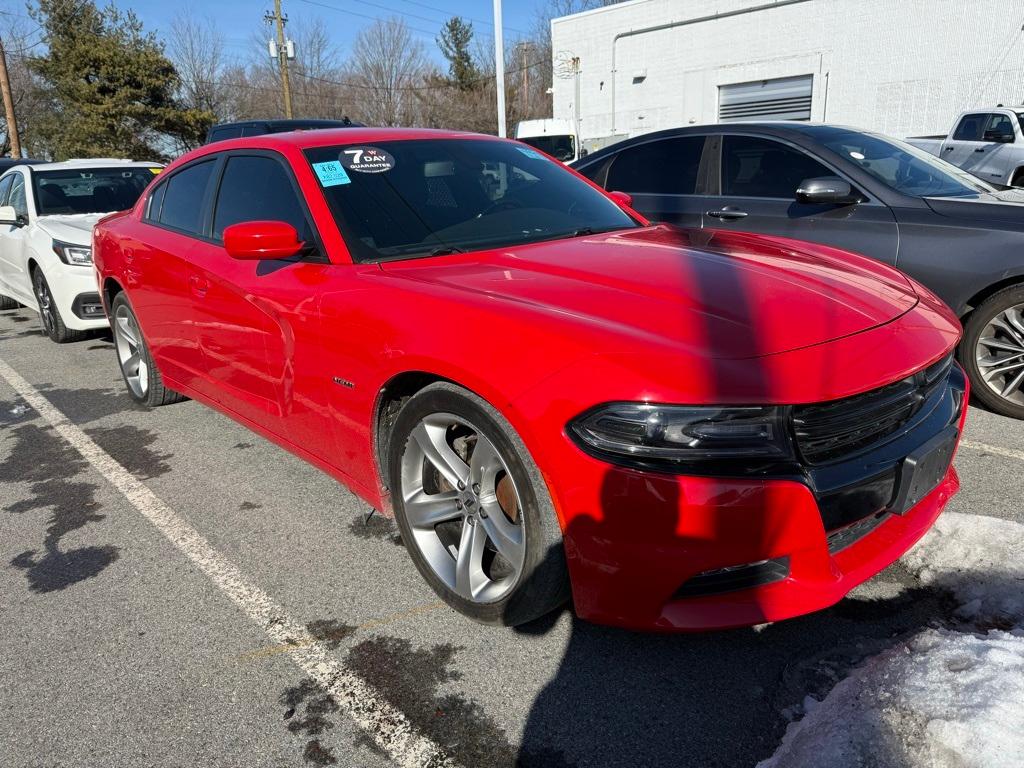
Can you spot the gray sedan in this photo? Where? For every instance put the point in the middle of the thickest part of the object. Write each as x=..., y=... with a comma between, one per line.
x=860, y=191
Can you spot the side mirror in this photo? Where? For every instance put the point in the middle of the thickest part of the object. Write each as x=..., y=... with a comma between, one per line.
x=827, y=190
x=258, y=240
x=622, y=198
x=998, y=137
x=10, y=216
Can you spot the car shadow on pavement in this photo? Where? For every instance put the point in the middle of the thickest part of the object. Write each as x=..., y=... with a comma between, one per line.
x=706, y=699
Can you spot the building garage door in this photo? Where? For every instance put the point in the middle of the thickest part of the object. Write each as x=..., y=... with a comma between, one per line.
x=785, y=98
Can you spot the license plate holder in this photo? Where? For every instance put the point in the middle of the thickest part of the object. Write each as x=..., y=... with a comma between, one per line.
x=923, y=469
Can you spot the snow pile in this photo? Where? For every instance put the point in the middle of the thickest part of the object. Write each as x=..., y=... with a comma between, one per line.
x=943, y=699
x=980, y=560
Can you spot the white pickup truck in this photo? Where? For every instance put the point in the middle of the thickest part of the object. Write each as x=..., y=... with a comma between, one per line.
x=987, y=143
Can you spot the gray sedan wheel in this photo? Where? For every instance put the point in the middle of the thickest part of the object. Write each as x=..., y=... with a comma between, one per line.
x=992, y=352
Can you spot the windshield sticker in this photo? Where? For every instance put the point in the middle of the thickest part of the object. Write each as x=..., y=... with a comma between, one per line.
x=155, y=171
x=367, y=160
x=331, y=174
x=533, y=155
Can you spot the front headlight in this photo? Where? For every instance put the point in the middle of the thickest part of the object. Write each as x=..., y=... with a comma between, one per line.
x=682, y=434
x=73, y=254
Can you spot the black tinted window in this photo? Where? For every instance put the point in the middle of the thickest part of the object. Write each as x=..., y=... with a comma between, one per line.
x=255, y=188
x=227, y=132
x=970, y=128
x=183, y=200
x=667, y=167
x=753, y=167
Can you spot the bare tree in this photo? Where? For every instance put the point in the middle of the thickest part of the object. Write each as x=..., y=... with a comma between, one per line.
x=31, y=105
x=388, y=66
x=196, y=47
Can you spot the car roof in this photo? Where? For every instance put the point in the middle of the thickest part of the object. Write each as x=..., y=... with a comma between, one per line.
x=328, y=136
x=95, y=162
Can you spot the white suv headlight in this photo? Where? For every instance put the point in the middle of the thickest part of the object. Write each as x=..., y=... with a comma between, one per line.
x=73, y=254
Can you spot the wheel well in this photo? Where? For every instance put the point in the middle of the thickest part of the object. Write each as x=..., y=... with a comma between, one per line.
x=1017, y=174
x=986, y=292
x=392, y=396
x=110, y=289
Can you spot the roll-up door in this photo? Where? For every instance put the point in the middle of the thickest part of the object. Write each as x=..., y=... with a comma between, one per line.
x=785, y=98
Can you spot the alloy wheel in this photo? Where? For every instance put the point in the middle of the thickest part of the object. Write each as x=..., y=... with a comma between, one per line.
x=1000, y=354
x=128, y=341
x=463, y=508
x=45, y=301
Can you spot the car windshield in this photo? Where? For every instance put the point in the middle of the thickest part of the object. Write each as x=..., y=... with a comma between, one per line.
x=906, y=169
x=398, y=199
x=559, y=146
x=89, y=190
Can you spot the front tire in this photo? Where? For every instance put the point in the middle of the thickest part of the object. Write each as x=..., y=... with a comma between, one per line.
x=6, y=302
x=49, y=315
x=141, y=375
x=992, y=352
x=473, y=509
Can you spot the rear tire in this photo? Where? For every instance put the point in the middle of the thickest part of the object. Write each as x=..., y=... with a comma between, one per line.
x=501, y=517
x=988, y=352
x=141, y=376
x=49, y=315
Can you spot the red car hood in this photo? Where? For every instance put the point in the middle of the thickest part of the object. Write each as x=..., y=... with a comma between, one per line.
x=726, y=295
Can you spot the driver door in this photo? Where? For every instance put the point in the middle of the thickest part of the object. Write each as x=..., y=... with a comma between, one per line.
x=758, y=181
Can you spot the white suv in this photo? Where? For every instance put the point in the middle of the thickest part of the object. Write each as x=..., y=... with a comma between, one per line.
x=46, y=217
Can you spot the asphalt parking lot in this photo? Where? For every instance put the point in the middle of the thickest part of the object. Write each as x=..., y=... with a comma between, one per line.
x=189, y=594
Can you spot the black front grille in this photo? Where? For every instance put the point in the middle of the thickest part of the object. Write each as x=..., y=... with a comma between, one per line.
x=833, y=430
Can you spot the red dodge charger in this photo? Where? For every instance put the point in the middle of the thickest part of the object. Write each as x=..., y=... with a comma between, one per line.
x=680, y=429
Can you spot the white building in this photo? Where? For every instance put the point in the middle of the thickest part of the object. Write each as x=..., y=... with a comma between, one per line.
x=903, y=67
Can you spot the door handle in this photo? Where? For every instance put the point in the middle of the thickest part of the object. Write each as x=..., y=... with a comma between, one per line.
x=198, y=285
x=728, y=214
x=980, y=149
x=948, y=149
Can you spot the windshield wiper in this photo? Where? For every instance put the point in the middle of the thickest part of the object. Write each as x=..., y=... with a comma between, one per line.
x=583, y=231
x=445, y=251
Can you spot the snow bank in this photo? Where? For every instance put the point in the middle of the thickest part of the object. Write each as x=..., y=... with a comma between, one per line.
x=980, y=560
x=945, y=698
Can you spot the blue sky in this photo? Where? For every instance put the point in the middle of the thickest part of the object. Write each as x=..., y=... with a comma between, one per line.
x=238, y=20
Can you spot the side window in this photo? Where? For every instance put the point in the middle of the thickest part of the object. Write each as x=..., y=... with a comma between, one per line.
x=5, y=187
x=17, y=197
x=183, y=199
x=970, y=128
x=155, y=203
x=254, y=188
x=663, y=167
x=226, y=132
x=998, y=125
x=755, y=167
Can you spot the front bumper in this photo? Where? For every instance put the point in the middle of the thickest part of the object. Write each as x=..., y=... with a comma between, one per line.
x=74, y=289
x=661, y=540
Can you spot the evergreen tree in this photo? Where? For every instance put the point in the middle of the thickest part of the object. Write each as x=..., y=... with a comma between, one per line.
x=110, y=87
x=456, y=37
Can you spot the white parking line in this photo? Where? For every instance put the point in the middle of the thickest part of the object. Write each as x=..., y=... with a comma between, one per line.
x=387, y=726
x=1010, y=453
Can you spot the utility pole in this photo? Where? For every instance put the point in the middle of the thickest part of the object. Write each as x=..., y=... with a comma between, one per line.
x=524, y=51
x=282, y=51
x=5, y=87
x=499, y=68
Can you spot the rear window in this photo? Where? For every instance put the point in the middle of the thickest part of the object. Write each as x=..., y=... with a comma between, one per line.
x=663, y=167
x=970, y=128
x=89, y=190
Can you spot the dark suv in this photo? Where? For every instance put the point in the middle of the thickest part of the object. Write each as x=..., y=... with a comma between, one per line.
x=855, y=190
x=223, y=131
